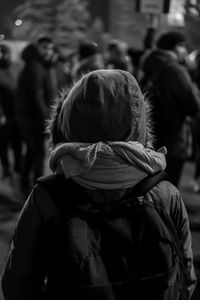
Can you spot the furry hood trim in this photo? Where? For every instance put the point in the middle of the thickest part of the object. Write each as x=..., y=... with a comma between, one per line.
x=104, y=105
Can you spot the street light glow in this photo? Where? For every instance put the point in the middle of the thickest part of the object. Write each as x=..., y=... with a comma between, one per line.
x=18, y=22
x=176, y=13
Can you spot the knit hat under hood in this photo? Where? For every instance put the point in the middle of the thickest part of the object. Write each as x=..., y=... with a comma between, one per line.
x=169, y=40
x=104, y=105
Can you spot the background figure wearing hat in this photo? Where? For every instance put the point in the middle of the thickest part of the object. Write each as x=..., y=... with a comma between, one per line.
x=164, y=69
x=89, y=59
x=100, y=140
x=38, y=83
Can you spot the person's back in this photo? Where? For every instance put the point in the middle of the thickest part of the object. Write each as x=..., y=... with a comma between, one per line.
x=79, y=234
x=177, y=96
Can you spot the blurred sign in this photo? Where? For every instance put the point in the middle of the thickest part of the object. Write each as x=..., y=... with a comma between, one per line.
x=153, y=6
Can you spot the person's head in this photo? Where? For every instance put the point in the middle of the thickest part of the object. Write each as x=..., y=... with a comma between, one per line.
x=5, y=56
x=117, y=49
x=87, y=49
x=45, y=48
x=173, y=41
x=104, y=105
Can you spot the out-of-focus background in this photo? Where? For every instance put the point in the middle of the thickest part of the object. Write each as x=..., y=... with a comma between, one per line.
x=71, y=21
x=77, y=30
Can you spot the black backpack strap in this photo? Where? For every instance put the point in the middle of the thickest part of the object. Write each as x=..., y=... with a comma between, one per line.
x=145, y=185
x=51, y=179
x=58, y=187
x=138, y=191
x=55, y=184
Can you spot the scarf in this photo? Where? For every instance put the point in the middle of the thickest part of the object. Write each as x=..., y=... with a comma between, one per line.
x=111, y=165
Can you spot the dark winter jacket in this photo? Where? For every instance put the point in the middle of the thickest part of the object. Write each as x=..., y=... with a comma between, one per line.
x=7, y=94
x=109, y=104
x=38, y=84
x=179, y=95
x=39, y=249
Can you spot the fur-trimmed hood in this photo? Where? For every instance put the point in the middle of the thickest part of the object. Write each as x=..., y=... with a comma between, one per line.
x=104, y=105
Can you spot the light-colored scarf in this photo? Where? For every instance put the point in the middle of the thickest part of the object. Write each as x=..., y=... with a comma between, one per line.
x=111, y=165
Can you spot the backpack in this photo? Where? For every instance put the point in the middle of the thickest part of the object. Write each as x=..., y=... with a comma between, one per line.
x=125, y=250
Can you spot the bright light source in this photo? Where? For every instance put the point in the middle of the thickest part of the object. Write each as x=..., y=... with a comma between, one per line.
x=18, y=22
x=176, y=13
x=2, y=37
x=178, y=16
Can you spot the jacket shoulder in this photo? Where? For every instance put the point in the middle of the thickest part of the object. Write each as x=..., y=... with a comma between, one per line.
x=55, y=195
x=166, y=195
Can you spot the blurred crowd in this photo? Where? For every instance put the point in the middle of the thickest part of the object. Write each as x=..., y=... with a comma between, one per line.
x=45, y=71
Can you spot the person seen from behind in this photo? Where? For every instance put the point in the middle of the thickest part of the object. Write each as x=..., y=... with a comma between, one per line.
x=178, y=98
x=38, y=84
x=101, y=148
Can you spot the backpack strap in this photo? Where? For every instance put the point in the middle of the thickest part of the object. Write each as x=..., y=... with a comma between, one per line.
x=145, y=185
x=58, y=187
x=55, y=184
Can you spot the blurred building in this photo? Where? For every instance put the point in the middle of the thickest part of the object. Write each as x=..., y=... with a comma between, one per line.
x=123, y=19
x=118, y=19
x=110, y=19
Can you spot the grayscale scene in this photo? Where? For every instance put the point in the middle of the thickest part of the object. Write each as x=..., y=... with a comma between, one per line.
x=100, y=150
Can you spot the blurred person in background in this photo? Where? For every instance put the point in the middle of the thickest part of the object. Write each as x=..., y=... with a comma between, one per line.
x=135, y=57
x=118, y=57
x=88, y=59
x=38, y=84
x=195, y=183
x=9, y=130
x=164, y=69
